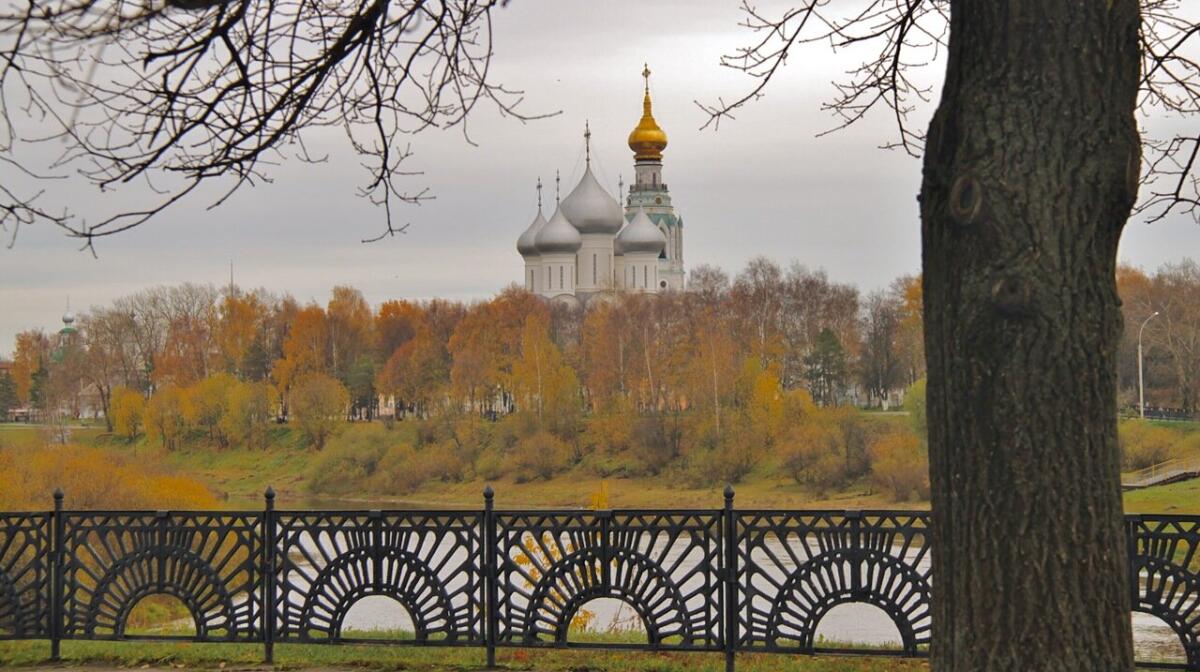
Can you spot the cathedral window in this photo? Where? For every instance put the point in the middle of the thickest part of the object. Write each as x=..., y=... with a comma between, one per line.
x=593, y=269
x=560, y=277
x=645, y=276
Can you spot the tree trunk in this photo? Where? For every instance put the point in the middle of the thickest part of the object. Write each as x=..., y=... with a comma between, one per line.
x=1030, y=173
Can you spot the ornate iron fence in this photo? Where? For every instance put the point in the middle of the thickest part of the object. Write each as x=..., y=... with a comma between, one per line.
x=720, y=580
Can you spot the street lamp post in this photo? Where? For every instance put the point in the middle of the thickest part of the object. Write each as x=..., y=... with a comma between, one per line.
x=1141, y=383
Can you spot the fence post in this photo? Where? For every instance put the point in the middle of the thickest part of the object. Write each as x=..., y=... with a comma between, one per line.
x=730, y=575
x=268, y=576
x=1131, y=551
x=56, y=577
x=489, y=573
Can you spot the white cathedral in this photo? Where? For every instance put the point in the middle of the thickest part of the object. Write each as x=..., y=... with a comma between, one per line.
x=591, y=245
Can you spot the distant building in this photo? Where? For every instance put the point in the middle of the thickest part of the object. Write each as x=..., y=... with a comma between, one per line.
x=591, y=245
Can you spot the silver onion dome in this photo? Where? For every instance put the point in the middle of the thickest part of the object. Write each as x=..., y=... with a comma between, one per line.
x=558, y=235
x=592, y=209
x=527, y=242
x=618, y=249
x=641, y=235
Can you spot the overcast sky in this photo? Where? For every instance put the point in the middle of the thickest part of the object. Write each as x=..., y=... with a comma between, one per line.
x=762, y=185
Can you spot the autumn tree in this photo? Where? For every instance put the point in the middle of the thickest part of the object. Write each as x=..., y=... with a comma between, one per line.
x=360, y=383
x=127, y=412
x=910, y=331
x=417, y=372
x=305, y=349
x=166, y=415
x=31, y=354
x=238, y=332
x=545, y=385
x=879, y=358
x=8, y=394
x=247, y=413
x=607, y=355
x=350, y=323
x=1177, y=328
x=105, y=364
x=486, y=343
x=186, y=353
x=396, y=323
x=825, y=368
x=319, y=404
x=208, y=403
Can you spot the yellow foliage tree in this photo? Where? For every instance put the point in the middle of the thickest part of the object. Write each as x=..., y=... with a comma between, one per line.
x=128, y=409
x=546, y=385
x=247, y=414
x=166, y=415
x=319, y=404
x=208, y=402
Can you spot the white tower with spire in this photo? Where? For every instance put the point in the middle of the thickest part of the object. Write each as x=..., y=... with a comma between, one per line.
x=649, y=191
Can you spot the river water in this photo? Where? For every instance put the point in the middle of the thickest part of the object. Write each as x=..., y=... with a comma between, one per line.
x=855, y=623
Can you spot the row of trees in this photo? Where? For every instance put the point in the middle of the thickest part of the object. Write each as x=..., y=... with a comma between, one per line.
x=1171, y=339
x=666, y=352
x=698, y=350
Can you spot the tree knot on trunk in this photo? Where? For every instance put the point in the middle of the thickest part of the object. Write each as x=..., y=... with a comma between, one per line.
x=966, y=200
x=1012, y=295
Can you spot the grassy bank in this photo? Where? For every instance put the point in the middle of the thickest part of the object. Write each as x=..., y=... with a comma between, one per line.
x=239, y=476
x=376, y=657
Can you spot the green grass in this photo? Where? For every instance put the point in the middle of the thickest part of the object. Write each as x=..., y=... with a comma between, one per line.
x=1176, y=498
x=383, y=657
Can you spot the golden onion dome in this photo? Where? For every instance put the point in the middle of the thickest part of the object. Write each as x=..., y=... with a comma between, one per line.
x=647, y=140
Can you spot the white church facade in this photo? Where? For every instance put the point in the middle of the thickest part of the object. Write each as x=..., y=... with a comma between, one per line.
x=592, y=245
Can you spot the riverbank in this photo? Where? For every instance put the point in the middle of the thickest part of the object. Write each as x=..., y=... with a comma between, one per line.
x=238, y=477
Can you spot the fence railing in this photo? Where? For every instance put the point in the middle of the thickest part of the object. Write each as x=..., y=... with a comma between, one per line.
x=720, y=580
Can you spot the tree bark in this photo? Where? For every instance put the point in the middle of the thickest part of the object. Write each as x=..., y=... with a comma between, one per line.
x=1030, y=174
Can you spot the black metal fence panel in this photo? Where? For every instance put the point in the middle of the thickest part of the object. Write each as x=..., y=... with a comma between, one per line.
x=24, y=575
x=697, y=580
x=429, y=562
x=209, y=561
x=795, y=567
x=1165, y=575
x=663, y=564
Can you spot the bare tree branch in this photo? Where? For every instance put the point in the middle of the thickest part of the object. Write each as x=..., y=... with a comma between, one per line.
x=182, y=94
x=906, y=35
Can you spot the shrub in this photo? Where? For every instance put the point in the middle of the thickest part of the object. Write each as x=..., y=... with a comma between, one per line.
x=404, y=469
x=899, y=467
x=811, y=457
x=92, y=478
x=1144, y=444
x=540, y=456
x=349, y=461
x=828, y=450
x=657, y=440
x=490, y=465
x=398, y=471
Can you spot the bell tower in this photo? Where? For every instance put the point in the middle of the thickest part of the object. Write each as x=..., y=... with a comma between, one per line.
x=649, y=191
